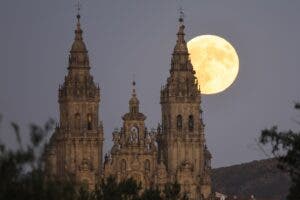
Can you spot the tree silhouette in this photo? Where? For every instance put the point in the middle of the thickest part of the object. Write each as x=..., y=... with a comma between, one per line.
x=23, y=176
x=172, y=191
x=151, y=194
x=21, y=171
x=286, y=147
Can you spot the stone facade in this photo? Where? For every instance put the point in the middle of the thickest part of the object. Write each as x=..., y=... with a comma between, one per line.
x=134, y=153
x=175, y=151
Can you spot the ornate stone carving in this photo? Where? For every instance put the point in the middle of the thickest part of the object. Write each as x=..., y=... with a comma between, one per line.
x=175, y=151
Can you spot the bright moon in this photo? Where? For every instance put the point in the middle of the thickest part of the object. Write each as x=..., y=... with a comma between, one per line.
x=215, y=61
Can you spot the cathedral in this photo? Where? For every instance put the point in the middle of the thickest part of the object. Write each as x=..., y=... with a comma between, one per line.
x=175, y=151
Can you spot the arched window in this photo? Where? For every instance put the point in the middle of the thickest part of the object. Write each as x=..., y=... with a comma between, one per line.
x=123, y=166
x=147, y=165
x=89, y=122
x=179, y=122
x=191, y=123
x=77, y=121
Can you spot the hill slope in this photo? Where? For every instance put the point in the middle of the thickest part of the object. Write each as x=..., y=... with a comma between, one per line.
x=261, y=178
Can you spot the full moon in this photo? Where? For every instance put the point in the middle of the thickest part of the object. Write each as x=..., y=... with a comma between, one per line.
x=215, y=61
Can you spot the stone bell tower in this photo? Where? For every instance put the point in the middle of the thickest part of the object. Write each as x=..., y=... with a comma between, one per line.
x=75, y=149
x=183, y=144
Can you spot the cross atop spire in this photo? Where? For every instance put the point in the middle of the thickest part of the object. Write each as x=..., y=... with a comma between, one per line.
x=180, y=46
x=181, y=15
x=78, y=53
x=78, y=8
x=134, y=113
x=134, y=102
x=180, y=59
x=133, y=85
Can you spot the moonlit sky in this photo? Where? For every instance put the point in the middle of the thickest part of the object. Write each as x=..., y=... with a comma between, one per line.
x=126, y=37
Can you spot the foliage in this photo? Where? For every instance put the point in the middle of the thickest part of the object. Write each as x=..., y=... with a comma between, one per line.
x=21, y=171
x=109, y=189
x=286, y=147
x=129, y=189
x=22, y=176
x=151, y=194
x=172, y=191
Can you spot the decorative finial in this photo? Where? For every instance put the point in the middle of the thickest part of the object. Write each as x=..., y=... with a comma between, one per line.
x=133, y=80
x=133, y=85
x=181, y=15
x=78, y=7
x=133, y=102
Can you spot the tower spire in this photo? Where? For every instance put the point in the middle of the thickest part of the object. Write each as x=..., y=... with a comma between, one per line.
x=133, y=102
x=78, y=53
x=134, y=106
x=180, y=59
x=181, y=46
x=78, y=31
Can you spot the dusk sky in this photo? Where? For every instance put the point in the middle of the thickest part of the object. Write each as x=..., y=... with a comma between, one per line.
x=126, y=37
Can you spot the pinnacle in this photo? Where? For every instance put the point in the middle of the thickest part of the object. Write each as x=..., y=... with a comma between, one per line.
x=78, y=52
